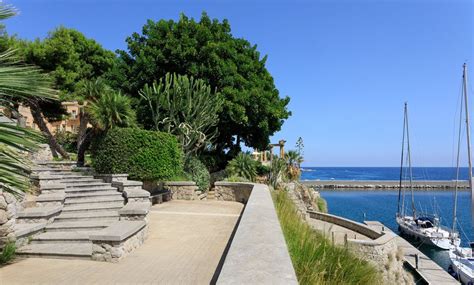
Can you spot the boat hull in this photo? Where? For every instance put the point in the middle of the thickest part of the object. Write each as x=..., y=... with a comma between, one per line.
x=460, y=270
x=440, y=243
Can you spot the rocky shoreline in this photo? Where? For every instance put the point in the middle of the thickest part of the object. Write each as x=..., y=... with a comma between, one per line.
x=383, y=185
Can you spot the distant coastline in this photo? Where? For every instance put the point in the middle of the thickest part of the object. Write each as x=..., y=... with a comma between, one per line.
x=382, y=184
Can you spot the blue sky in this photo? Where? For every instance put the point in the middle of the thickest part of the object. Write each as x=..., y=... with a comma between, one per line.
x=348, y=66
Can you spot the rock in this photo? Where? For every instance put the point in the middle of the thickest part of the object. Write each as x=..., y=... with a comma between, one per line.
x=3, y=217
x=3, y=203
x=116, y=252
x=97, y=249
x=9, y=198
x=11, y=211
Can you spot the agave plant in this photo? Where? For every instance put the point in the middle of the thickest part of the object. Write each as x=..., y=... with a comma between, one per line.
x=17, y=82
x=242, y=166
x=277, y=171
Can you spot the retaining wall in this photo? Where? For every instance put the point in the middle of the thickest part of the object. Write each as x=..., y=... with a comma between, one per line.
x=258, y=253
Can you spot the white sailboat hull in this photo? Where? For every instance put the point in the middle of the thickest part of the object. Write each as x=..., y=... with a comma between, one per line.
x=462, y=264
x=434, y=236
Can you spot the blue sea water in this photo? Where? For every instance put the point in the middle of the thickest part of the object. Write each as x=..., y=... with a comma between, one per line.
x=380, y=173
x=382, y=206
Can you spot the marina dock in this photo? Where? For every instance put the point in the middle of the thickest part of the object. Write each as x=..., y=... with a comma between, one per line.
x=427, y=269
x=382, y=184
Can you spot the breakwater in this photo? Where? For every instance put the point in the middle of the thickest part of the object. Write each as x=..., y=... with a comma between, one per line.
x=383, y=184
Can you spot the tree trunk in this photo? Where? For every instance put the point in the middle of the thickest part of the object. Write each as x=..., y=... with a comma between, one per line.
x=82, y=137
x=81, y=150
x=39, y=121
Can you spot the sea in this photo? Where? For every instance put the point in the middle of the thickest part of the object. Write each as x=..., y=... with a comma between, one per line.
x=380, y=173
x=382, y=205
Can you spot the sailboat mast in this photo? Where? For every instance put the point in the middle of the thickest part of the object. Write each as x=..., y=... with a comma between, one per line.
x=400, y=211
x=410, y=172
x=468, y=135
x=456, y=183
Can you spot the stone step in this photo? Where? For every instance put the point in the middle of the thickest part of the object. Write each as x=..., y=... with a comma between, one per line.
x=86, y=195
x=104, y=215
x=63, y=237
x=72, y=181
x=76, y=176
x=91, y=207
x=98, y=184
x=77, y=225
x=94, y=200
x=89, y=190
x=57, y=250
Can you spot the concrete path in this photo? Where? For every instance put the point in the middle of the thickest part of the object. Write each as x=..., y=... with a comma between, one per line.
x=184, y=246
x=331, y=230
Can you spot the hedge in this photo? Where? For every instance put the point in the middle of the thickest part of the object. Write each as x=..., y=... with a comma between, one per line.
x=144, y=155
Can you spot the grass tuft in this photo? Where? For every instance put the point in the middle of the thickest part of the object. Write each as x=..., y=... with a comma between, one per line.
x=315, y=259
x=8, y=253
x=322, y=205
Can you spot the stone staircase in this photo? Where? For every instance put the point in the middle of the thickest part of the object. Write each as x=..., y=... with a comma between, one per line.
x=87, y=206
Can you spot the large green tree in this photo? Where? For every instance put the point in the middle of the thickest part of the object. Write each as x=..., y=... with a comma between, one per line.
x=206, y=49
x=71, y=59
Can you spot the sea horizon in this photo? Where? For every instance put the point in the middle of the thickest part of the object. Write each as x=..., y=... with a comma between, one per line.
x=382, y=173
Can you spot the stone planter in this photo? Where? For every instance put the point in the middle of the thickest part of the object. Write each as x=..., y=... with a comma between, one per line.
x=233, y=191
x=182, y=190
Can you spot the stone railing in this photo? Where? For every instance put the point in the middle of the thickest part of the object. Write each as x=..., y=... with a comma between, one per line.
x=257, y=253
x=346, y=223
x=184, y=190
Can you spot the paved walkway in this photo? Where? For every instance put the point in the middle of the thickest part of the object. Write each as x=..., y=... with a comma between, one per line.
x=331, y=230
x=185, y=243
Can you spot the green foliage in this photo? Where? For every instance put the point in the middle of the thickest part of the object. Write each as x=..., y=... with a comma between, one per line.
x=111, y=109
x=8, y=253
x=67, y=140
x=236, y=179
x=206, y=49
x=315, y=259
x=144, y=155
x=18, y=82
x=242, y=166
x=293, y=160
x=68, y=56
x=262, y=170
x=322, y=205
x=198, y=172
x=277, y=172
x=185, y=107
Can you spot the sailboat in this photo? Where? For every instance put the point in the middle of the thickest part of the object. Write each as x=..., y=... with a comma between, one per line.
x=425, y=228
x=462, y=259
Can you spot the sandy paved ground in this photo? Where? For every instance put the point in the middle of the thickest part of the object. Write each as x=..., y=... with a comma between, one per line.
x=184, y=246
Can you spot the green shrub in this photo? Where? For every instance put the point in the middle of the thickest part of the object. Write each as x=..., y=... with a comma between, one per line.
x=315, y=259
x=8, y=253
x=262, y=170
x=144, y=155
x=322, y=205
x=198, y=172
x=242, y=166
x=67, y=139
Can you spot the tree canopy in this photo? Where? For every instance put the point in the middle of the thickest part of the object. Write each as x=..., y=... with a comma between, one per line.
x=68, y=57
x=205, y=49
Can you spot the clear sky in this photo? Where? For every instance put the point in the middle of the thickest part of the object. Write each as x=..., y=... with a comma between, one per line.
x=348, y=66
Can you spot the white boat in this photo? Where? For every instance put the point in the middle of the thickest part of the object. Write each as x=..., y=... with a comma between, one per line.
x=428, y=231
x=424, y=228
x=462, y=260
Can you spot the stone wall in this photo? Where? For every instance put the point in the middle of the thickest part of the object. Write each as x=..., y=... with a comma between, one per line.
x=114, y=251
x=182, y=190
x=9, y=206
x=233, y=191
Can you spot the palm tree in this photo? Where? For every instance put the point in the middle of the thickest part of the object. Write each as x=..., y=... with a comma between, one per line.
x=111, y=109
x=293, y=161
x=88, y=92
x=243, y=166
x=17, y=82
